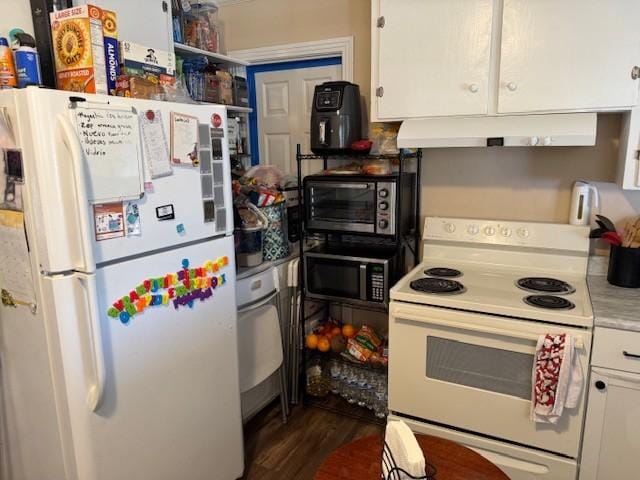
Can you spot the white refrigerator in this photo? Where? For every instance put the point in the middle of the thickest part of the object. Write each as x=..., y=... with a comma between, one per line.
x=123, y=364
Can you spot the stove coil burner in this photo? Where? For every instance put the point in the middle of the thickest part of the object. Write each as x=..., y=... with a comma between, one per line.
x=545, y=285
x=437, y=285
x=443, y=272
x=550, y=302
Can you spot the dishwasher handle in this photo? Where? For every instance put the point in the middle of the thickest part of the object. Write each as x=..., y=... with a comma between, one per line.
x=258, y=303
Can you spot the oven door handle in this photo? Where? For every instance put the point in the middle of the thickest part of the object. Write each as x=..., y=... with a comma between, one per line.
x=401, y=314
x=354, y=186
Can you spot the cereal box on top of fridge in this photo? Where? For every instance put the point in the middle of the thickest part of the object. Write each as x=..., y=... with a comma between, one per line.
x=111, y=51
x=78, y=48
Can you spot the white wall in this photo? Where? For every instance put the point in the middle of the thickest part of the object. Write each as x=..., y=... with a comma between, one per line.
x=15, y=13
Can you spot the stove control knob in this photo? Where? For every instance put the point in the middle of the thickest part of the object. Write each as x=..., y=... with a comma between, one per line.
x=383, y=205
x=505, y=232
x=489, y=231
x=523, y=232
x=533, y=141
x=547, y=141
x=449, y=227
x=383, y=193
x=383, y=224
x=473, y=229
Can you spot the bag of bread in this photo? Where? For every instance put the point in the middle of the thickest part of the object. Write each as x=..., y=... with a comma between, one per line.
x=368, y=338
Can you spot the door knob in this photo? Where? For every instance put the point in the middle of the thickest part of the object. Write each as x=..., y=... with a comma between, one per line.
x=473, y=88
x=512, y=86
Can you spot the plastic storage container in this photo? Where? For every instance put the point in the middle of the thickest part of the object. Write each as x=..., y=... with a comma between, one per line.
x=249, y=241
x=200, y=27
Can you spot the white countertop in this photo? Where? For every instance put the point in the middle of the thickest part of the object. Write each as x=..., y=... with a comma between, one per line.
x=613, y=307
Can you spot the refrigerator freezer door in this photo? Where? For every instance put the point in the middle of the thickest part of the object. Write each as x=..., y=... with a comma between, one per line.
x=171, y=404
x=191, y=204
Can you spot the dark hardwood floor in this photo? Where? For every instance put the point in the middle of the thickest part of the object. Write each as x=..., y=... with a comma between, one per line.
x=294, y=451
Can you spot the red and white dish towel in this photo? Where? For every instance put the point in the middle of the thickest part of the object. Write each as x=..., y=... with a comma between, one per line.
x=557, y=378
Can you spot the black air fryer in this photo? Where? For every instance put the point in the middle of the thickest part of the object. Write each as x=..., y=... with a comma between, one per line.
x=336, y=118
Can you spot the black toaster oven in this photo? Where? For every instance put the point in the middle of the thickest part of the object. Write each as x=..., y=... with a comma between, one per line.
x=380, y=205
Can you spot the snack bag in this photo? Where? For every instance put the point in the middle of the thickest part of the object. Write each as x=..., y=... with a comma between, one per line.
x=357, y=351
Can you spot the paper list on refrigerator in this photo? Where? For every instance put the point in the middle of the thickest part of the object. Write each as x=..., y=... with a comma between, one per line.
x=156, y=149
x=15, y=269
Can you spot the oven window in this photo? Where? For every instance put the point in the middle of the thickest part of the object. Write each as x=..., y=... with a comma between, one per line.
x=477, y=366
x=342, y=204
x=337, y=278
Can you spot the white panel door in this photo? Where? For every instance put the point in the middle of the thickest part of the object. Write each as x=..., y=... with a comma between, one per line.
x=432, y=57
x=569, y=55
x=284, y=99
x=612, y=429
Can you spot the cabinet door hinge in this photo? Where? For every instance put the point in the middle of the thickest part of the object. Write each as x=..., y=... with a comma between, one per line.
x=380, y=22
x=379, y=92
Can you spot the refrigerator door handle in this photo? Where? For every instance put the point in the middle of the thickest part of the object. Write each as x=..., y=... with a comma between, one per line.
x=96, y=390
x=71, y=141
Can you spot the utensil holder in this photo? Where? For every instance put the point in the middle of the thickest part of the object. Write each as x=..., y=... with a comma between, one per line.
x=624, y=267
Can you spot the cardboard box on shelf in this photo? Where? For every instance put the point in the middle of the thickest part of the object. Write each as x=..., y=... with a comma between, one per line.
x=111, y=50
x=154, y=65
x=78, y=47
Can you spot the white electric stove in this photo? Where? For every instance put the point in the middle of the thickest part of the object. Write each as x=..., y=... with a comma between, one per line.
x=463, y=327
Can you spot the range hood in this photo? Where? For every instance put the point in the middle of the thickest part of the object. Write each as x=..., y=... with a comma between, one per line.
x=563, y=129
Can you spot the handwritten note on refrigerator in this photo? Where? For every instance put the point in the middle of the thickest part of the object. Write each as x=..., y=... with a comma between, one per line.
x=110, y=140
x=156, y=150
x=15, y=269
x=185, y=142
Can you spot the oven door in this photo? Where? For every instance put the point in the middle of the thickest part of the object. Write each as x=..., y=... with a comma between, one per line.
x=473, y=372
x=340, y=206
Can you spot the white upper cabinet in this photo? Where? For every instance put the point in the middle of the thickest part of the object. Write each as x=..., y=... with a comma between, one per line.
x=435, y=58
x=568, y=55
x=147, y=22
x=431, y=57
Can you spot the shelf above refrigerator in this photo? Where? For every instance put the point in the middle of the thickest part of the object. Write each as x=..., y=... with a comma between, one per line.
x=188, y=51
x=234, y=108
x=230, y=108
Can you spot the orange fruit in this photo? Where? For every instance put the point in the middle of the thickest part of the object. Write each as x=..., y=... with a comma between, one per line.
x=336, y=331
x=311, y=341
x=324, y=344
x=348, y=330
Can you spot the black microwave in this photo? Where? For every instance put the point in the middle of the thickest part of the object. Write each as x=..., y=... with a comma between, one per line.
x=380, y=205
x=351, y=274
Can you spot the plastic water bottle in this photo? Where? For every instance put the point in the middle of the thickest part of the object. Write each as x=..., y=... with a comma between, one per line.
x=8, y=77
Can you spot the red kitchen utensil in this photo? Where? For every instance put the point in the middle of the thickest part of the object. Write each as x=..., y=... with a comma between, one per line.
x=612, y=238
